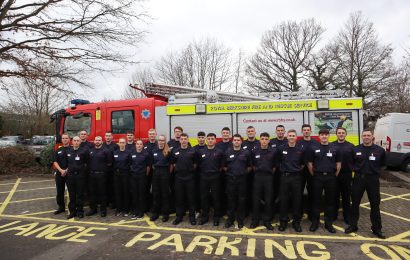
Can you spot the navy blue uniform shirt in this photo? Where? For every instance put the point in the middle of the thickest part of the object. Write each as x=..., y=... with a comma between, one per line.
x=264, y=160
x=250, y=145
x=292, y=159
x=77, y=159
x=223, y=146
x=148, y=146
x=324, y=157
x=86, y=144
x=139, y=162
x=121, y=160
x=173, y=144
x=307, y=144
x=159, y=159
x=346, y=148
x=60, y=157
x=368, y=160
x=100, y=159
x=210, y=161
x=199, y=147
x=237, y=161
x=130, y=147
x=184, y=160
x=276, y=143
x=111, y=146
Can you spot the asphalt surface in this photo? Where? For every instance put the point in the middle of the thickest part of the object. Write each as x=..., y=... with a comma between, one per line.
x=30, y=230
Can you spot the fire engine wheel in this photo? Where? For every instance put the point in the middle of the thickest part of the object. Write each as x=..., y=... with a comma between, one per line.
x=406, y=165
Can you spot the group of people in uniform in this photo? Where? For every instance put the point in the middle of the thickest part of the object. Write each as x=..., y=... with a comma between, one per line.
x=256, y=177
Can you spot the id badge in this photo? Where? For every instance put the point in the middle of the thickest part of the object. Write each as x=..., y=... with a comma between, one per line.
x=372, y=158
x=285, y=152
x=77, y=158
x=329, y=154
x=232, y=156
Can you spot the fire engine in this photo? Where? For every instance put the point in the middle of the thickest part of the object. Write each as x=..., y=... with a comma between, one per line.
x=167, y=106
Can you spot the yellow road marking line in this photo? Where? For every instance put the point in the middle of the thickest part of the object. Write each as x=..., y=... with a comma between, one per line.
x=389, y=214
x=11, y=183
x=389, y=198
x=399, y=237
x=37, y=213
x=27, y=200
x=348, y=238
x=8, y=198
x=46, y=188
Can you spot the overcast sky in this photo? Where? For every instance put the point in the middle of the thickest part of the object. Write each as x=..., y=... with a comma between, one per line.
x=239, y=24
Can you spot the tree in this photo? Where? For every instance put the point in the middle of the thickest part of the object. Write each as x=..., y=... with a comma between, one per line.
x=80, y=36
x=323, y=69
x=365, y=65
x=34, y=100
x=279, y=63
x=141, y=77
x=202, y=64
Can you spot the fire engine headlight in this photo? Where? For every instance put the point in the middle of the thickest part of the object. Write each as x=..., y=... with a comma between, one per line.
x=200, y=108
x=323, y=104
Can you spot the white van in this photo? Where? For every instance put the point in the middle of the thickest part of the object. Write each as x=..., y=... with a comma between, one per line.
x=392, y=132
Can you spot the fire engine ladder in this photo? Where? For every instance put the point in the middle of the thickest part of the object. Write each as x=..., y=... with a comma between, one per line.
x=180, y=94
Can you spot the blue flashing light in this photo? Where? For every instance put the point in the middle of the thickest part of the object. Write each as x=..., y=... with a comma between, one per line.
x=79, y=102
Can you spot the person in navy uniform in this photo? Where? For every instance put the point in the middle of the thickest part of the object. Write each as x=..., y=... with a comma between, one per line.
x=161, y=164
x=345, y=177
x=140, y=161
x=291, y=164
x=237, y=166
x=60, y=166
x=84, y=140
x=264, y=160
x=368, y=161
x=250, y=143
x=184, y=165
x=121, y=167
x=152, y=140
x=225, y=143
x=201, y=138
x=77, y=159
x=110, y=146
x=148, y=147
x=175, y=143
x=210, y=163
x=280, y=138
x=306, y=142
x=130, y=146
x=324, y=163
x=277, y=142
x=100, y=160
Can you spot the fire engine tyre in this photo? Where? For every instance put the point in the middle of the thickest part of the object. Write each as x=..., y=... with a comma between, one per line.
x=406, y=165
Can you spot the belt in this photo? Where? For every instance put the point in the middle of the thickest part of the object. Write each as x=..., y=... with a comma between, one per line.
x=97, y=172
x=291, y=174
x=324, y=173
x=120, y=171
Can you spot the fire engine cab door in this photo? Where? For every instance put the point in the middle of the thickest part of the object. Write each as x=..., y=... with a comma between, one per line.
x=120, y=120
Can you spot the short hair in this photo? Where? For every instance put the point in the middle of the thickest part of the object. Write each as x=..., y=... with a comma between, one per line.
x=237, y=135
x=368, y=130
x=152, y=130
x=250, y=127
x=201, y=133
x=66, y=135
x=83, y=130
x=211, y=135
x=264, y=134
x=292, y=131
x=99, y=137
x=184, y=134
x=323, y=132
x=139, y=140
x=178, y=128
x=341, y=128
x=108, y=132
x=306, y=125
x=226, y=129
x=280, y=126
x=130, y=133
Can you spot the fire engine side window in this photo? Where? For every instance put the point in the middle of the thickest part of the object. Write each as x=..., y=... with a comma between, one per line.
x=122, y=121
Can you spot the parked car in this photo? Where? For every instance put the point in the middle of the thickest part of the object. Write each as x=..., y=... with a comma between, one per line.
x=38, y=143
x=11, y=140
x=392, y=132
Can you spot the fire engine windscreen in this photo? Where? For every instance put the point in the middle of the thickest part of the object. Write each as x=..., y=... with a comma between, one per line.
x=74, y=124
